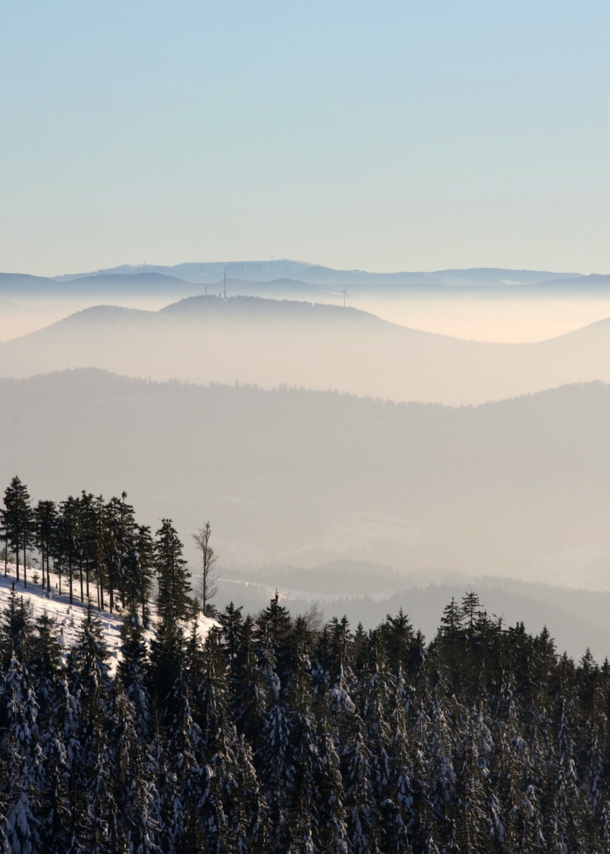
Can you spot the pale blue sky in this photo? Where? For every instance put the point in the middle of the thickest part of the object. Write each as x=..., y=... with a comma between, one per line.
x=380, y=135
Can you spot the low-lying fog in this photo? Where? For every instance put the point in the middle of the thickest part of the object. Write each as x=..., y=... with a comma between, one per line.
x=510, y=493
x=21, y=316
x=515, y=319
x=512, y=318
x=269, y=343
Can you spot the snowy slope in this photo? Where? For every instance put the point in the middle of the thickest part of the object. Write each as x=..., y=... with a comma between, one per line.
x=69, y=617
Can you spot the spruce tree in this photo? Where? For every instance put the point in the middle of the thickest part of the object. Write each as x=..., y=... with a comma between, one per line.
x=18, y=522
x=45, y=519
x=94, y=807
x=136, y=826
x=21, y=753
x=66, y=544
x=250, y=672
x=363, y=816
x=173, y=601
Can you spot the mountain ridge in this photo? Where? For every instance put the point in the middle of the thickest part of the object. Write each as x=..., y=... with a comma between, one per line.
x=270, y=343
x=519, y=486
x=205, y=272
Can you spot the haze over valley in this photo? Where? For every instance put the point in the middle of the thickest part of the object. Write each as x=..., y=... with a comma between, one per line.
x=270, y=342
x=328, y=432
x=485, y=305
x=516, y=489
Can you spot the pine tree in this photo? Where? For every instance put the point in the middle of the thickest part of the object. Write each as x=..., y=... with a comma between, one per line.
x=275, y=768
x=66, y=545
x=88, y=541
x=567, y=818
x=16, y=631
x=132, y=671
x=332, y=831
x=306, y=765
x=475, y=750
x=251, y=672
x=397, y=635
x=274, y=624
x=18, y=522
x=136, y=826
x=441, y=782
x=186, y=765
x=361, y=807
x=375, y=693
x=398, y=808
x=173, y=601
x=247, y=811
x=423, y=826
x=94, y=816
x=119, y=548
x=45, y=519
x=22, y=758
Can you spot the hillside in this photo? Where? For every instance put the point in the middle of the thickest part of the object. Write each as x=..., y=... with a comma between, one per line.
x=68, y=617
x=520, y=487
x=274, y=342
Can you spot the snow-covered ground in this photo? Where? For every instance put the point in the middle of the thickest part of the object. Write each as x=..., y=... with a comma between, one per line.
x=69, y=617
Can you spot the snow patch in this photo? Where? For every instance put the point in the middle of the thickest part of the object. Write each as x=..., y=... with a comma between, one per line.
x=69, y=616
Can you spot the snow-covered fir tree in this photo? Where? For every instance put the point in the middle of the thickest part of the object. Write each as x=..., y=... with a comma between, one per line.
x=266, y=733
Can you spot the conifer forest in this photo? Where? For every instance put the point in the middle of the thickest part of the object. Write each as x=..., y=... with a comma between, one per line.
x=271, y=733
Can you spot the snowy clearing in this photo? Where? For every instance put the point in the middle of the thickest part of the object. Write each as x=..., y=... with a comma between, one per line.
x=69, y=617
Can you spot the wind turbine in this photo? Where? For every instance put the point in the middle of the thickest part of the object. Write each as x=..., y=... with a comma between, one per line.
x=345, y=294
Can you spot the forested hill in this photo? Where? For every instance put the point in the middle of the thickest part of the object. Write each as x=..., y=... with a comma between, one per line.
x=271, y=733
x=519, y=488
x=271, y=342
x=275, y=735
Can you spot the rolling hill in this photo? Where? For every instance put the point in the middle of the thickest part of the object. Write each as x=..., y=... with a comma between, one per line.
x=274, y=342
x=518, y=488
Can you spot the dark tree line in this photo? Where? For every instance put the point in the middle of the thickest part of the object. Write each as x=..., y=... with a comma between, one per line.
x=276, y=734
x=94, y=548
x=272, y=736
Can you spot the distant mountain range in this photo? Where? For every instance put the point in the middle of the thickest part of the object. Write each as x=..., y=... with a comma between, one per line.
x=283, y=277
x=274, y=342
x=314, y=274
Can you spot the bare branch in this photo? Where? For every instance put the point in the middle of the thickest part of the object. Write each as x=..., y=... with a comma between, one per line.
x=209, y=586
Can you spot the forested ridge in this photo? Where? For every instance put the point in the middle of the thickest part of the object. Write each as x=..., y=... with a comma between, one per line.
x=280, y=734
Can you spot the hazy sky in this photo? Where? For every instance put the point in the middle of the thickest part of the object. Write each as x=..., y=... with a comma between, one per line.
x=379, y=135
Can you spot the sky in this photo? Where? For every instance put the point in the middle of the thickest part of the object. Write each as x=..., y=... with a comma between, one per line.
x=380, y=136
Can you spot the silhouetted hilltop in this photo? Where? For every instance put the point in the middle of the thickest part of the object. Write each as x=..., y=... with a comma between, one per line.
x=269, y=310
